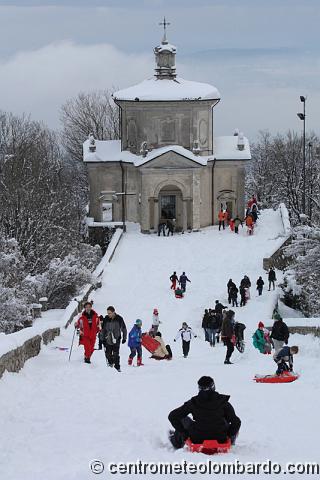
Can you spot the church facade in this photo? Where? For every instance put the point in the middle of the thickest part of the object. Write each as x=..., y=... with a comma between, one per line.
x=168, y=163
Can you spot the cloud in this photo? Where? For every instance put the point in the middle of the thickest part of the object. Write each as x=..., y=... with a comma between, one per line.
x=39, y=81
x=260, y=90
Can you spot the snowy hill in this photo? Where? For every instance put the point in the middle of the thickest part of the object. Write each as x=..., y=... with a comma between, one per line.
x=57, y=416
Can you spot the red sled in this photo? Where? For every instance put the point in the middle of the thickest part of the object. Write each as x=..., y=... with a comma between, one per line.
x=209, y=447
x=285, y=377
x=149, y=343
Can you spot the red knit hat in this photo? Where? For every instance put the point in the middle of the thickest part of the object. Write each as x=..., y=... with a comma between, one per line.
x=155, y=311
x=260, y=325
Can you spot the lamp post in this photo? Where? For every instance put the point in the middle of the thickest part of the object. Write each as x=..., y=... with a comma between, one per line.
x=302, y=117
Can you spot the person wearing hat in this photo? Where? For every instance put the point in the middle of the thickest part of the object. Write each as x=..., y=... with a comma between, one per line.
x=134, y=343
x=88, y=325
x=213, y=417
x=258, y=337
x=155, y=320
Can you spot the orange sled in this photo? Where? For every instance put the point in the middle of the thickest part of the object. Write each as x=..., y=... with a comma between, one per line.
x=209, y=447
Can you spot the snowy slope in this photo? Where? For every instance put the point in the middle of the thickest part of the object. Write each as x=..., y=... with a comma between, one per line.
x=57, y=416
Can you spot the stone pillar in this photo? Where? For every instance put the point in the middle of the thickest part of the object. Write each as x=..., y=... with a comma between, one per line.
x=184, y=214
x=196, y=201
x=145, y=215
x=156, y=213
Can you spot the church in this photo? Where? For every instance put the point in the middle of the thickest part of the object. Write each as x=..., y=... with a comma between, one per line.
x=168, y=163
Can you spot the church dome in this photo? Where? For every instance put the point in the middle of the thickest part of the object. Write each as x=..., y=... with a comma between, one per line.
x=165, y=85
x=175, y=89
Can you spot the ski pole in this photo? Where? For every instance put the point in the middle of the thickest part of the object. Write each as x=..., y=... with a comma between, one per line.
x=72, y=343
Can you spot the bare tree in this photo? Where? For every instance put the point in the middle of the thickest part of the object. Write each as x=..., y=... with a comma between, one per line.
x=88, y=112
x=276, y=173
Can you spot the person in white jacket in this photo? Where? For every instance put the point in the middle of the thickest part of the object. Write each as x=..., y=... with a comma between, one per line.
x=155, y=320
x=185, y=333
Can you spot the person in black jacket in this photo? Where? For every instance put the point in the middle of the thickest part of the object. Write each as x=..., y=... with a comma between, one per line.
x=272, y=278
x=260, y=284
x=234, y=295
x=114, y=329
x=213, y=417
x=230, y=285
x=279, y=333
x=227, y=333
x=212, y=327
x=204, y=324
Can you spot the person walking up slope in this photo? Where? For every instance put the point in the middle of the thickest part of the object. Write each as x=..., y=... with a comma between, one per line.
x=173, y=280
x=227, y=334
x=114, y=329
x=89, y=326
x=185, y=333
x=183, y=281
x=134, y=343
x=260, y=284
x=272, y=278
x=279, y=333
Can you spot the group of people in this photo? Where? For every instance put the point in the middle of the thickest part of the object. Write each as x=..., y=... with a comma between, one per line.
x=166, y=226
x=265, y=341
x=181, y=281
x=244, y=288
x=225, y=219
x=212, y=322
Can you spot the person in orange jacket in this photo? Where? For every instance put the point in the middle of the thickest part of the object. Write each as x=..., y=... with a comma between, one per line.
x=221, y=219
x=89, y=326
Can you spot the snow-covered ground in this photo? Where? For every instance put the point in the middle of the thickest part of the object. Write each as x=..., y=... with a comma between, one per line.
x=56, y=416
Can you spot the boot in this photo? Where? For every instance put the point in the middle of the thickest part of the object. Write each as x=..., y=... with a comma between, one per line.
x=87, y=360
x=227, y=362
x=130, y=361
x=139, y=362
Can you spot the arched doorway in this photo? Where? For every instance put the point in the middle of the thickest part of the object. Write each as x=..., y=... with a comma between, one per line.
x=170, y=205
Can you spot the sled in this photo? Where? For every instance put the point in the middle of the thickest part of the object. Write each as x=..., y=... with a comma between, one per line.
x=285, y=377
x=149, y=343
x=208, y=447
x=178, y=293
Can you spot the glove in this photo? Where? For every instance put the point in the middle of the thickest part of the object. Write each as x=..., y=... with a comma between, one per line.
x=286, y=342
x=174, y=340
x=124, y=340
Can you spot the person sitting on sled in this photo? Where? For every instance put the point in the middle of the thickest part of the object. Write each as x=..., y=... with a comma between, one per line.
x=163, y=352
x=284, y=359
x=213, y=417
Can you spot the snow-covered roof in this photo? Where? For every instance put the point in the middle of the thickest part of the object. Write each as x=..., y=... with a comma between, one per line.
x=110, y=151
x=166, y=47
x=155, y=89
x=225, y=148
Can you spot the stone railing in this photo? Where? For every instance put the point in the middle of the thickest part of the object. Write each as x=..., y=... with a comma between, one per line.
x=14, y=360
x=18, y=347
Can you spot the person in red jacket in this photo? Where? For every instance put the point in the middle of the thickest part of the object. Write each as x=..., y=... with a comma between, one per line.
x=89, y=326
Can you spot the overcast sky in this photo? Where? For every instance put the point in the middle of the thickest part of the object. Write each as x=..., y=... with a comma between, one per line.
x=260, y=54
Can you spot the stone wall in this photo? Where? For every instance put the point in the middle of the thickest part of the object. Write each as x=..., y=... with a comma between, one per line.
x=14, y=360
x=278, y=259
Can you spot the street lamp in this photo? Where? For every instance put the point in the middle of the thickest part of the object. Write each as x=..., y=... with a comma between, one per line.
x=302, y=117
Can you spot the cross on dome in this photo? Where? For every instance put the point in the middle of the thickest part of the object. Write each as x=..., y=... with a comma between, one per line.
x=164, y=24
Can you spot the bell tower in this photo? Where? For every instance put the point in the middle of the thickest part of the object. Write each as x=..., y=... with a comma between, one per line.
x=165, y=54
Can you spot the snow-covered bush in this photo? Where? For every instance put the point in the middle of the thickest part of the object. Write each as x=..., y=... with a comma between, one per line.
x=14, y=312
x=302, y=279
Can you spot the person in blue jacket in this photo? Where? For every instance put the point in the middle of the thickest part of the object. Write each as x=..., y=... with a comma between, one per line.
x=134, y=343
